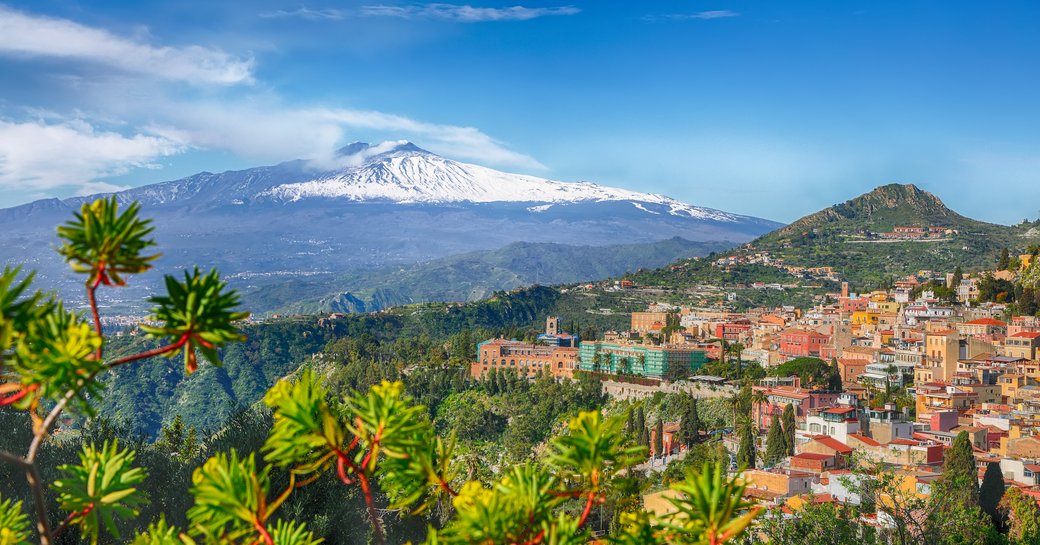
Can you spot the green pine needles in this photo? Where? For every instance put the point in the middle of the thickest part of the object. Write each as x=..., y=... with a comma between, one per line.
x=100, y=489
x=106, y=244
x=14, y=525
x=197, y=315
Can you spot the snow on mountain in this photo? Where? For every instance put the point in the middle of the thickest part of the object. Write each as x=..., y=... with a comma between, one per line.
x=404, y=173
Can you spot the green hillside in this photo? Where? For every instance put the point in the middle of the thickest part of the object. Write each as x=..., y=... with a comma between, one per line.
x=846, y=236
x=471, y=276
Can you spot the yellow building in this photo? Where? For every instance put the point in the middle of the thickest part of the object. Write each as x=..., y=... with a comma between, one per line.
x=886, y=307
x=1009, y=386
x=907, y=486
x=941, y=351
x=1022, y=345
x=865, y=317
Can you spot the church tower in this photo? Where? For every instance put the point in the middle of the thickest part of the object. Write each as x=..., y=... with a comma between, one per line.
x=552, y=325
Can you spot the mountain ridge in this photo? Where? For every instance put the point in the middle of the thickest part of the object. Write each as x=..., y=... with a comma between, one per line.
x=394, y=204
x=855, y=240
x=879, y=208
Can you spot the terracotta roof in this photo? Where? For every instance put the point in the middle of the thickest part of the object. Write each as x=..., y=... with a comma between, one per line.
x=864, y=439
x=840, y=410
x=761, y=493
x=1026, y=335
x=901, y=441
x=986, y=321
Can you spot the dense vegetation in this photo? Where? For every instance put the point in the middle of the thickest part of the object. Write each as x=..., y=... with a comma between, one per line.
x=370, y=429
x=340, y=427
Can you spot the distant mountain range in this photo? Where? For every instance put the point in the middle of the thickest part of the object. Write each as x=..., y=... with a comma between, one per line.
x=374, y=207
x=847, y=237
x=471, y=276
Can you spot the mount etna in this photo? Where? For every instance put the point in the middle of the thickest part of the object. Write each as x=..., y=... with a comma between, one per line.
x=391, y=205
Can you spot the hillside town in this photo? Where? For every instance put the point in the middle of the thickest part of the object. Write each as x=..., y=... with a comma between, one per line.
x=894, y=377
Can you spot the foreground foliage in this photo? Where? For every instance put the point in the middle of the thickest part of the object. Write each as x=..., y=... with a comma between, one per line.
x=378, y=441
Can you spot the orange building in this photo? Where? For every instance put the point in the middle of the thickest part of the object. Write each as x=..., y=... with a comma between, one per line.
x=649, y=322
x=851, y=368
x=524, y=358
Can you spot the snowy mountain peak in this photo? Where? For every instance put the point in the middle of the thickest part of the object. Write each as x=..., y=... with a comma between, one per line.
x=400, y=171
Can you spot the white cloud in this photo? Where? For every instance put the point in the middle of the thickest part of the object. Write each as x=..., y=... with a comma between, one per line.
x=451, y=140
x=267, y=131
x=715, y=14
x=463, y=13
x=37, y=36
x=700, y=15
x=304, y=12
x=114, y=125
x=42, y=156
x=45, y=155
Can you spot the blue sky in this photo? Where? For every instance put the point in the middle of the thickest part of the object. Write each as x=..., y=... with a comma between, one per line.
x=773, y=109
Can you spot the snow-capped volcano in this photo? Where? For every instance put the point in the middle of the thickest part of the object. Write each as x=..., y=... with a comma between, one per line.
x=370, y=206
x=404, y=173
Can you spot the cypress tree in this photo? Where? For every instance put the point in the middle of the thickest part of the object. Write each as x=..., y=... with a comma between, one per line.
x=746, y=451
x=695, y=423
x=640, y=420
x=789, y=426
x=492, y=381
x=171, y=437
x=959, y=480
x=644, y=436
x=991, y=492
x=776, y=445
x=834, y=383
x=630, y=426
x=659, y=438
x=191, y=445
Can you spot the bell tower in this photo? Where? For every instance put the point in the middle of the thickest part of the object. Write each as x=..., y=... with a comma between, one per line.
x=552, y=325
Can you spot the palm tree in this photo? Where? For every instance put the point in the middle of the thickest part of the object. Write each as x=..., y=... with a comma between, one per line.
x=758, y=399
x=734, y=405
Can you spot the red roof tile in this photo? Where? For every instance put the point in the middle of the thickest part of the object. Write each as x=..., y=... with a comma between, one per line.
x=986, y=321
x=840, y=410
x=864, y=439
x=832, y=444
